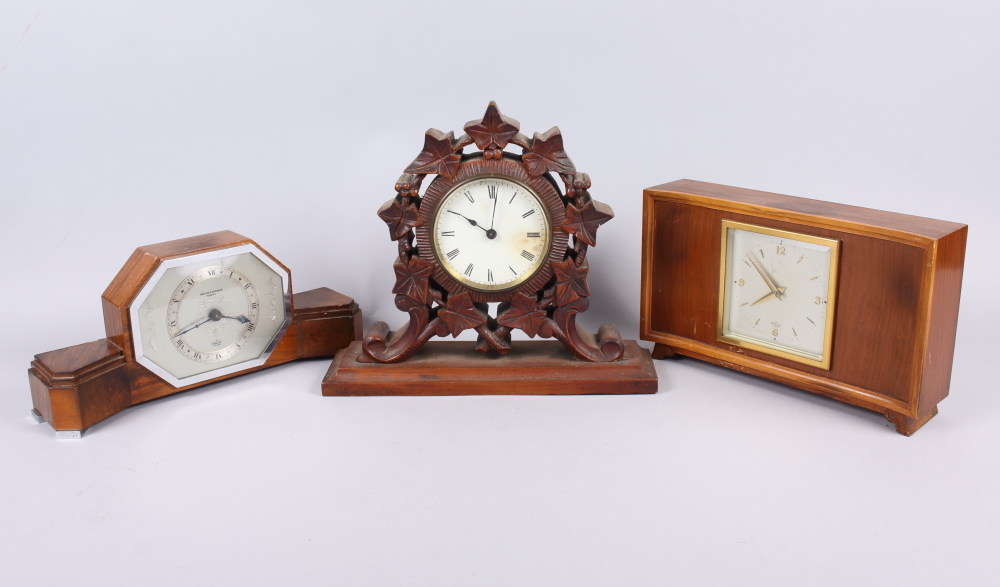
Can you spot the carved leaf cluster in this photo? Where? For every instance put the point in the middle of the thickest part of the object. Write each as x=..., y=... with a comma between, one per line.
x=438, y=155
x=571, y=281
x=583, y=222
x=399, y=218
x=459, y=314
x=493, y=129
x=523, y=314
x=547, y=154
x=412, y=278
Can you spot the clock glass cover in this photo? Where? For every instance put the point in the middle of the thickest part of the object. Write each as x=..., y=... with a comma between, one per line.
x=207, y=315
x=491, y=233
x=777, y=292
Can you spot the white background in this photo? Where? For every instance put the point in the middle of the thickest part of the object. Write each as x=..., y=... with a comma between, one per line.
x=131, y=123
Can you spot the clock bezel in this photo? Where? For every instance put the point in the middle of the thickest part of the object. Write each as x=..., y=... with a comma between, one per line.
x=454, y=274
x=166, y=264
x=509, y=168
x=725, y=270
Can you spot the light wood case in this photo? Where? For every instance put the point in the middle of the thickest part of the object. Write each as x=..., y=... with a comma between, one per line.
x=897, y=296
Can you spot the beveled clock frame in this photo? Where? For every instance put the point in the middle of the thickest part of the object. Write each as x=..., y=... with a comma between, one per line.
x=547, y=303
x=831, y=305
x=140, y=298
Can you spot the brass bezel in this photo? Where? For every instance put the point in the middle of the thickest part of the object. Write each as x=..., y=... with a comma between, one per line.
x=823, y=361
x=460, y=278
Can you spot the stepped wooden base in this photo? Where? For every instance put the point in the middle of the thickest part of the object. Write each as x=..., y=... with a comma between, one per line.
x=75, y=387
x=455, y=368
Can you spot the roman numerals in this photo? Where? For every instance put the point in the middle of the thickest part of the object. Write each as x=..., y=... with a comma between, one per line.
x=486, y=234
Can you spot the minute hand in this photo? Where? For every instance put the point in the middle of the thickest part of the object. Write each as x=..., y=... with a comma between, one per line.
x=774, y=289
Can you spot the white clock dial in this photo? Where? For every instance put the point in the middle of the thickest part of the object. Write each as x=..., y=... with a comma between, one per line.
x=210, y=314
x=778, y=291
x=491, y=234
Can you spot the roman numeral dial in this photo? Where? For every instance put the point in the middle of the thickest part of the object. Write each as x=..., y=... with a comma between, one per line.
x=491, y=234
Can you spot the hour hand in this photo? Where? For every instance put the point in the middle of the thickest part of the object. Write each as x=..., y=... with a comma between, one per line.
x=471, y=221
x=240, y=319
x=771, y=294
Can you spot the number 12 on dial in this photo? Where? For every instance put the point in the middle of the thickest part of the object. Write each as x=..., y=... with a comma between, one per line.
x=777, y=292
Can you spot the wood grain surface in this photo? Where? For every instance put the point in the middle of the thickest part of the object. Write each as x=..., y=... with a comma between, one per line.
x=897, y=299
x=532, y=367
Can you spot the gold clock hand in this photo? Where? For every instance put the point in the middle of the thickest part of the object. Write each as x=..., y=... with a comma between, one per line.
x=774, y=289
x=771, y=294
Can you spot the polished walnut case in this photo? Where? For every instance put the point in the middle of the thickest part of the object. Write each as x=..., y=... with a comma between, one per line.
x=78, y=386
x=897, y=296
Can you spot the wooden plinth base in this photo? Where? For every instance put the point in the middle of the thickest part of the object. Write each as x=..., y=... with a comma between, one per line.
x=455, y=368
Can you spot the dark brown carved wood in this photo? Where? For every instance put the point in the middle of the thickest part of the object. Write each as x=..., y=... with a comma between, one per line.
x=897, y=299
x=547, y=304
x=533, y=367
x=78, y=386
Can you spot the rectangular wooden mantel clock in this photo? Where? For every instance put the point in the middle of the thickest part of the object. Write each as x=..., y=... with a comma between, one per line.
x=856, y=304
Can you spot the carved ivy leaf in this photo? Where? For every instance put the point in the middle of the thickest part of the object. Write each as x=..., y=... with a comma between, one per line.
x=438, y=155
x=400, y=219
x=412, y=278
x=583, y=222
x=571, y=281
x=523, y=314
x=547, y=154
x=493, y=129
x=459, y=314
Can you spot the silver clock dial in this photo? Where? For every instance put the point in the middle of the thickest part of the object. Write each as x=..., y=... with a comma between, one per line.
x=212, y=314
x=491, y=234
x=217, y=313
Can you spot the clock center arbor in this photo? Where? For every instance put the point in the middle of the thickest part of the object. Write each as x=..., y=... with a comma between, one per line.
x=492, y=226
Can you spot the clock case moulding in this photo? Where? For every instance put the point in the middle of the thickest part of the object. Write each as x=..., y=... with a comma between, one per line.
x=75, y=387
x=402, y=362
x=897, y=297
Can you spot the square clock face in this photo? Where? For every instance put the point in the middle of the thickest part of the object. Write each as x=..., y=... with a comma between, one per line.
x=777, y=292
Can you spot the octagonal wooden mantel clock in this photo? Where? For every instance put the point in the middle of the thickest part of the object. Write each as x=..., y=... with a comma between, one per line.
x=492, y=227
x=182, y=314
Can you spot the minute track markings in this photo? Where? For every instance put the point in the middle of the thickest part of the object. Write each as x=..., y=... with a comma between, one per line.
x=518, y=232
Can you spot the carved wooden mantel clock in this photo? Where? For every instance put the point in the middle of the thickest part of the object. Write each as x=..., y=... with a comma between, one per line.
x=492, y=227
